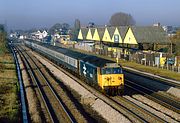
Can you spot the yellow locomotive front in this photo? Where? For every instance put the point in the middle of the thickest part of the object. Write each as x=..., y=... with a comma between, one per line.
x=111, y=79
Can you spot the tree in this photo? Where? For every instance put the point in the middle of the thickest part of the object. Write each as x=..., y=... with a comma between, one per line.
x=3, y=42
x=77, y=24
x=55, y=28
x=65, y=28
x=75, y=30
x=59, y=28
x=121, y=19
x=176, y=41
x=91, y=24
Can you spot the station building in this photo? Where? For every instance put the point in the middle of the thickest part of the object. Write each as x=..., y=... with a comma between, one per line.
x=126, y=37
x=123, y=40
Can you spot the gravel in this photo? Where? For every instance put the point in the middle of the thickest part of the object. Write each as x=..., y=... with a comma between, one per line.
x=30, y=94
x=174, y=91
x=152, y=84
x=62, y=93
x=107, y=112
x=155, y=108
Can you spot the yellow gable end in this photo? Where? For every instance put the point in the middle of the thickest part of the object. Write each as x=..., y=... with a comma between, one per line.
x=106, y=36
x=80, y=35
x=89, y=35
x=130, y=38
x=96, y=36
x=116, y=32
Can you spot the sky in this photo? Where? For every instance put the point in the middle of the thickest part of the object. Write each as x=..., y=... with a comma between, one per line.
x=27, y=14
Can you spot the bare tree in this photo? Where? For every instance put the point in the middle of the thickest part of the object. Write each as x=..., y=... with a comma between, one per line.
x=122, y=19
x=77, y=24
x=75, y=30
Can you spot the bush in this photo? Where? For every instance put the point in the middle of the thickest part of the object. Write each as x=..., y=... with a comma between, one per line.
x=3, y=43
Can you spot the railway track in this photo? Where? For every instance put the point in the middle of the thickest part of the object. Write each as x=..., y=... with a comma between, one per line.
x=161, y=98
x=22, y=92
x=139, y=111
x=158, y=79
x=132, y=111
x=54, y=107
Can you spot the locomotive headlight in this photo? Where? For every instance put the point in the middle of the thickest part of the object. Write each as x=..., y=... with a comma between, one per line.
x=119, y=78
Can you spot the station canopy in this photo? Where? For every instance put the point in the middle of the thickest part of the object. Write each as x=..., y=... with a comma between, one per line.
x=142, y=34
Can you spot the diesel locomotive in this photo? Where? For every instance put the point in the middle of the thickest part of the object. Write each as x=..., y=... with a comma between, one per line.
x=106, y=74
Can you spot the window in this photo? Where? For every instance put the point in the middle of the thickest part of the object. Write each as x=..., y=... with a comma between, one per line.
x=111, y=70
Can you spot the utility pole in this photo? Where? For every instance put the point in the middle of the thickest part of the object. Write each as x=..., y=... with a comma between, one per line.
x=171, y=47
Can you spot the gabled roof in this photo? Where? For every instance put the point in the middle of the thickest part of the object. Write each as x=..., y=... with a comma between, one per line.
x=92, y=31
x=84, y=32
x=122, y=30
x=111, y=31
x=101, y=32
x=150, y=34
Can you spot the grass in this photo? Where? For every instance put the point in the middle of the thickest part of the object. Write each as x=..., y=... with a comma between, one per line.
x=9, y=102
x=157, y=71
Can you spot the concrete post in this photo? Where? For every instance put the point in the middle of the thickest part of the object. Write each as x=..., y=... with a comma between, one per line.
x=153, y=63
x=145, y=59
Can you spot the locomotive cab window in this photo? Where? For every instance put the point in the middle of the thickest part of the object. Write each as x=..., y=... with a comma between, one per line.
x=111, y=71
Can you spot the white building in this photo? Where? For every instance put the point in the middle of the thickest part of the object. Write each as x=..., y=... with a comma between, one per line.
x=157, y=24
x=56, y=36
x=44, y=33
x=40, y=35
x=21, y=37
x=13, y=35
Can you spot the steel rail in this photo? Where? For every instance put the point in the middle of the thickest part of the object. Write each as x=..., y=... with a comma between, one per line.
x=50, y=87
x=161, y=99
x=33, y=78
x=22, y=92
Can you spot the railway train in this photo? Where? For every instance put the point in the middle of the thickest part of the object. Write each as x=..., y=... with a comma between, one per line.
x=106, y=74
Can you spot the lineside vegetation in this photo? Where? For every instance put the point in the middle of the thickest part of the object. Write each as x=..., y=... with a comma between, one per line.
x=9, y=102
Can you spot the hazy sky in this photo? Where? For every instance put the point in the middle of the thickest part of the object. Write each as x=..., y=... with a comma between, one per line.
x=26, y=14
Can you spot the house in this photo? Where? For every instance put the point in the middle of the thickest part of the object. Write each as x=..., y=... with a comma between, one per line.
x=39, y=35
x=44, y=33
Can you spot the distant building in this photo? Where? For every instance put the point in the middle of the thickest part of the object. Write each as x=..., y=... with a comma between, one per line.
x=91, y=24
x=157, y=24
x=170, y=30
x=39, y=35
x=56, y=36
x=44, y=33
x=13, y=35
x=21, y=37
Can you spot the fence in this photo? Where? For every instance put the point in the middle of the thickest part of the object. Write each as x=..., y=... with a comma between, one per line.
x=147, y=58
